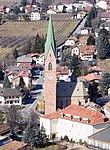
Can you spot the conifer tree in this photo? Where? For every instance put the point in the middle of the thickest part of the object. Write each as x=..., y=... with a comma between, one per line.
x=15, y=53
x=90, y=40
x=102, y=44
x=6, y=82
x=21, y=82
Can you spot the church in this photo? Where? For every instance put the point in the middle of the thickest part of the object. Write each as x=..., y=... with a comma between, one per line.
x=58, y=95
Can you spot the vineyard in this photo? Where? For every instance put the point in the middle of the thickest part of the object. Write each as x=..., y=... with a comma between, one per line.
x=17, y=34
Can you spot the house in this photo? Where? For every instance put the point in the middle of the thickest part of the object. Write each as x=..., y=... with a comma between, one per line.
x=105, y=16
x=63, y=73
x=96, y=69
x=5, y=132
x=25, y=75
x=10, y=96
x=83, y=40
x=71, y=41
x=75, y=50
x=76, y=122
x=87, y=52
x=40, y=59
x=81, y=14
x=102, y=4
x=34, y=15
x=101, y=139
x=14, y=145
x=86, y=31
x=91, y=77
x=51, y=11
x=24, y=59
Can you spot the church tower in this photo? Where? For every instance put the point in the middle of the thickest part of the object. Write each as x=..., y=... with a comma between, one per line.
x=50, y=71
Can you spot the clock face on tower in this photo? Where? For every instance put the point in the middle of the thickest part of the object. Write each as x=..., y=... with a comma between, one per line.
x=50, y=77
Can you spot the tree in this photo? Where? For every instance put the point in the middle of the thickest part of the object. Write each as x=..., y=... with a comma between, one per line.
x=90, y=40
x=33, y=2
x=29, y=135
x=21, y=82
x=104, y=83
x=34, y=135
x=24, y=2
x=39, y=44
x=6, y=82
x=102, y=44
x=15, y=54
x=93, y=91
x=73, y=62
x=16, y=10
x=91, y=15
x=45, y=4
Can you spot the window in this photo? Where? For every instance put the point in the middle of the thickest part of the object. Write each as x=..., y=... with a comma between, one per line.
x=50, y=66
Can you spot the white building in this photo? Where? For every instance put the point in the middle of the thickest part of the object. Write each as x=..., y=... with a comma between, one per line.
x=75, y=50
x=35, y=16
x=76, y=122
x=10, y=96
x=102, y=4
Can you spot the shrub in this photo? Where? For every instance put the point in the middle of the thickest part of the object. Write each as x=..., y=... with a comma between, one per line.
x=66, y=138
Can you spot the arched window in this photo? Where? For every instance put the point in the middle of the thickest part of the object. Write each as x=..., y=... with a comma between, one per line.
x=50, y=66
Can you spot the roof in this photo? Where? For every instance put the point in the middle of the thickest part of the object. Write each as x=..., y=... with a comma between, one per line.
x=93, y=117
x=105, y=15
x=62, y=70
x=96, y=68
x=4, y=128
x=87, y=49
x=13, y=145
x=24, y=59
x=103, y=135
x=22, y=65
x=50, y=40
x=9, y=92
x=21, y=74
x=80, y=90
x=91, y=77
x=65, y=89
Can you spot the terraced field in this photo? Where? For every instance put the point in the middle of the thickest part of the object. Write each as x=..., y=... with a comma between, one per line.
x=62, y=29
x=17, y=34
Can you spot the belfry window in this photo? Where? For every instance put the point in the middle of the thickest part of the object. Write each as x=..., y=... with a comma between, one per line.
x=50, y=66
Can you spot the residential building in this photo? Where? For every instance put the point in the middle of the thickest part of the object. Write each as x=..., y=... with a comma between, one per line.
x=75, y=50
x=10, y=96
x=92, y=77
x=87, y=52
x=71, y=41
x=63, y=73
x=76, y=122
x=24, y=59
x=86, y=31
x=102, y=4
x=35, y=15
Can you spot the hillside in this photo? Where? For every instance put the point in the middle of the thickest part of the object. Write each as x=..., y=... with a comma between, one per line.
x=30, y=29
x=104, y=64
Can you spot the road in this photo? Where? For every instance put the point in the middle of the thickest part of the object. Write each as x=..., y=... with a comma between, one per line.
x=31, y=103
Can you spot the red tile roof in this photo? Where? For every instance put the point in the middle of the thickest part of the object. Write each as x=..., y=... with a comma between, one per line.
x=93, y=116
x=87, y=49
x=91, y=77
x=21, y=74
x=62, y=70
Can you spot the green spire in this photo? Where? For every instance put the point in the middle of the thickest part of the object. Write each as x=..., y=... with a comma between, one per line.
x=50, y=41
